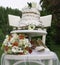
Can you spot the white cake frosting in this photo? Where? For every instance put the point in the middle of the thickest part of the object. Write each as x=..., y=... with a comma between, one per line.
x=30, y=16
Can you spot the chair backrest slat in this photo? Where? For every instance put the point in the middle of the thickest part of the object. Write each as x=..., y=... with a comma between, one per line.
x=46, y=20
x=14, y=20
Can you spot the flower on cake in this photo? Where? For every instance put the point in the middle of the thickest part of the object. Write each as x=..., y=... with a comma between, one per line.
x=16, y=44
x=31, y=27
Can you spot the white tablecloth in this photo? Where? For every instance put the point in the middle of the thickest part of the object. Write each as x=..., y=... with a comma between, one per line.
x=35, y=58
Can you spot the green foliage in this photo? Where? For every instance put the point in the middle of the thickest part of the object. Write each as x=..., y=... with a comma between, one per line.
x=52, y=7
x=1, y=35
x=4, y=25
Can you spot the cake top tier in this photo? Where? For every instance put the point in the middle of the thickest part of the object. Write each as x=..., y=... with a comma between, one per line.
x=31, y=8
x=30, y=15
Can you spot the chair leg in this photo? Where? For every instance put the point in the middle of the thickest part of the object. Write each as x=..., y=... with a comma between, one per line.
x=44, y=38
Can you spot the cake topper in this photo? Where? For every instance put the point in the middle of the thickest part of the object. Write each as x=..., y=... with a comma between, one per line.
x=29, y=4
x=32, y=4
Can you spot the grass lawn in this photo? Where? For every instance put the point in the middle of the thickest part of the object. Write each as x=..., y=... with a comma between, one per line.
x=55, y=48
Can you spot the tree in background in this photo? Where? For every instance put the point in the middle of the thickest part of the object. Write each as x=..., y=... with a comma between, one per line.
x=52, y=7
x=4, y=25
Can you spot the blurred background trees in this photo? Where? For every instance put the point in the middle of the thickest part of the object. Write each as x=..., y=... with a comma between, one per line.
x=52, y=7
x=4, y=25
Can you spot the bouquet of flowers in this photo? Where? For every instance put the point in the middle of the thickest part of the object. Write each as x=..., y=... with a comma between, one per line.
x=16, y=44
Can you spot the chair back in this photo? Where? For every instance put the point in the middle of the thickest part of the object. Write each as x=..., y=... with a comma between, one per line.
x=46, y=20
x=13, y=20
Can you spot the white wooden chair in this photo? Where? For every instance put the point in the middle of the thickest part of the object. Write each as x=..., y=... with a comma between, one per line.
x=14, y=21
x=46, y=22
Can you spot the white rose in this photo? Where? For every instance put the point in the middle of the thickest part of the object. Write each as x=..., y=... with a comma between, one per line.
x=14, y=49
x=5, y=41
x=31, y=27
x=9, y=44
x=26, y=46
x=7, y=36
x=20, y=42
x=15, y=36
x=12, y=40
x=24, y=41
x=28, y=42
